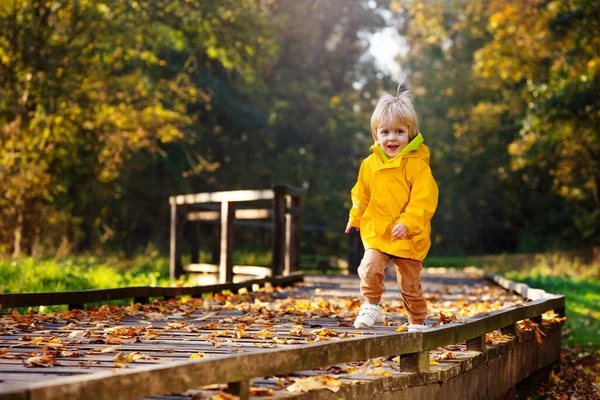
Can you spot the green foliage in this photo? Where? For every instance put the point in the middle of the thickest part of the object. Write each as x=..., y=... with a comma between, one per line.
x=508, y=97
x=86, y=86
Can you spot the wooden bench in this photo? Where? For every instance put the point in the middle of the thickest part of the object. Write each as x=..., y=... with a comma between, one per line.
x=278, y=209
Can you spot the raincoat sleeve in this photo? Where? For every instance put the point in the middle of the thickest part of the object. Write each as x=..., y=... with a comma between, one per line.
x=423, y=201
x=360, y=197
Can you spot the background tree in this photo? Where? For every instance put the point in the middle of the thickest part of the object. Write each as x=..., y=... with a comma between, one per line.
x=107, y=108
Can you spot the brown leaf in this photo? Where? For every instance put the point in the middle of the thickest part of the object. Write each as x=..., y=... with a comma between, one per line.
x=42, y=361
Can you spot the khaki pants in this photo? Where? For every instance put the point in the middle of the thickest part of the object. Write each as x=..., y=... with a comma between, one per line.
x=371, y=272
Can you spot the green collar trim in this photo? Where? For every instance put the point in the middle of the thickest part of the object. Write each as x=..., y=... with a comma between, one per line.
x=413, y=145
x=382, y=154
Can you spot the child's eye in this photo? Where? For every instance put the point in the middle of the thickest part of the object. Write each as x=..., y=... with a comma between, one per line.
x=384, y=132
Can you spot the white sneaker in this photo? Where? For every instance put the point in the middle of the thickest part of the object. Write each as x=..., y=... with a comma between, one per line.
x=368, y=314
x=417, y=327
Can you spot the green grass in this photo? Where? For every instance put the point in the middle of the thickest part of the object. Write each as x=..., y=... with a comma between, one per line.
x=582, y=305
x=80, y=273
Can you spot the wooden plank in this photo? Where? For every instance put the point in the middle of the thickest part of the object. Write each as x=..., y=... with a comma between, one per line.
x=179, y=376
x=182, y=342
x=538, y=307
x=203, y=216
x=288, y=190
x=521, y=289
x=237, y=269
x=455, y=332
x=217, y=197
x=251, y=214
x=460, y=332
x=12, y=300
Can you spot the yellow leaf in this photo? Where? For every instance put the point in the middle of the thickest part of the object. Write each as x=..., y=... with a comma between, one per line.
x=315, y=383
x=379, y=371
x=198, y=355
x=123, y=358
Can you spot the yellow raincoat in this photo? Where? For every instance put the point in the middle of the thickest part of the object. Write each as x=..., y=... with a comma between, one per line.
x=388, y=191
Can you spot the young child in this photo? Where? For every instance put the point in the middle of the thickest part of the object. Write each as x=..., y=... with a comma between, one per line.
x=393, y=202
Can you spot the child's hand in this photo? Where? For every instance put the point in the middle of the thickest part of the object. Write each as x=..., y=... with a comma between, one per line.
x=348, y=227
x=400, y=231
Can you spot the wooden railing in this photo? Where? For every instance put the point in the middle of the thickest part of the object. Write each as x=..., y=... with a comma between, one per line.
x=140, y=294
x=239, y=369
x=280, y=206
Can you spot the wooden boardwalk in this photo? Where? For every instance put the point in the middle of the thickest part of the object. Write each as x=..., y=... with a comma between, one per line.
x=72, y=354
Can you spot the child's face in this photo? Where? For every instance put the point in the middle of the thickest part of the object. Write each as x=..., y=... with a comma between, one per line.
x=392, y=137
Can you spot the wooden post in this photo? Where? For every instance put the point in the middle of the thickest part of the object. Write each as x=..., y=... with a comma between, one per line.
x=141, y=300
x=195, y=242
x=278, y=230
x=415, y=362
x=295, y=234
x=176, y=269
x=215, y=248
x=225, y=260
x=537, y=320
x=510, y=329
x=355, y=250
x=240, y=389
x=78, y=306
x=477, y=344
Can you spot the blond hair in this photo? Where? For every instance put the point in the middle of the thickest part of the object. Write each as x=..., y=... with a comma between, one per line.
x=398, y=109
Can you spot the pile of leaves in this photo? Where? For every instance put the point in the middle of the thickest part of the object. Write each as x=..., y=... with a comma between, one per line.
x=577, y=377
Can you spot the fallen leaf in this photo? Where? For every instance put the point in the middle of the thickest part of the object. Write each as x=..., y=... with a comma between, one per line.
x=199, y=355
x=303, y=385
x=42, y=361
x=77, y=334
